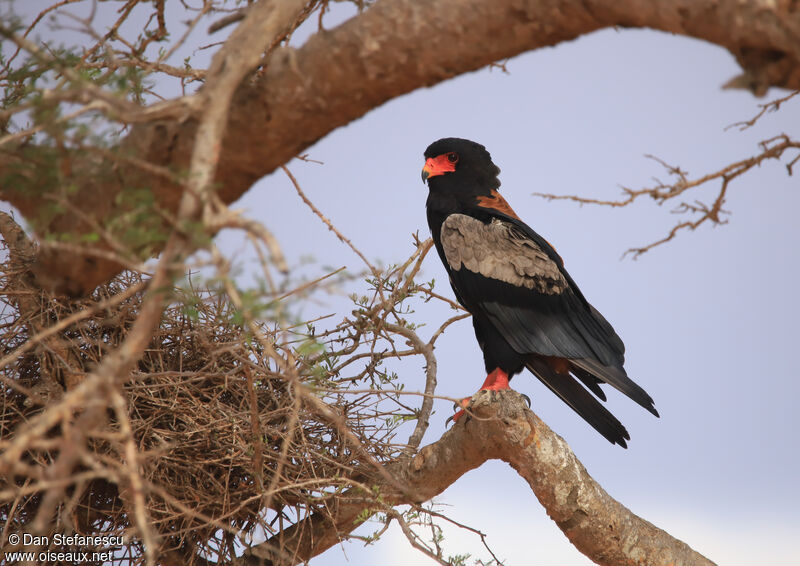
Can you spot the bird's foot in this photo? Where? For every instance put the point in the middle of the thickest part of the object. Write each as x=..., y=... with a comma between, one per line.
x=462, y=407
x=496, y=385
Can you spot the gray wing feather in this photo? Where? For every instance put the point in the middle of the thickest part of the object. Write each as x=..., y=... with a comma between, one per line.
x=496, y=250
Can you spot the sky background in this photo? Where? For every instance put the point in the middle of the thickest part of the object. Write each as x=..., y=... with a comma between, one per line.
x=709, y=320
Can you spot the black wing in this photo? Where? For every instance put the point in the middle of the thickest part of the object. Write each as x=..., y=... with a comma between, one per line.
x=513, y=278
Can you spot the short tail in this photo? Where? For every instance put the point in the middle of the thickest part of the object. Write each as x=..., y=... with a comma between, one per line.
x=580, y=400
x=614, y=376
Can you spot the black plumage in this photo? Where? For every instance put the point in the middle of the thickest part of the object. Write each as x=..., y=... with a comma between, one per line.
x=527, y=310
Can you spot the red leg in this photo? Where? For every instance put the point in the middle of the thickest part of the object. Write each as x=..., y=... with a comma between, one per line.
x=495, y=381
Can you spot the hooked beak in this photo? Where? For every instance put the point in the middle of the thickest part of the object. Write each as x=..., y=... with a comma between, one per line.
x=436, y=166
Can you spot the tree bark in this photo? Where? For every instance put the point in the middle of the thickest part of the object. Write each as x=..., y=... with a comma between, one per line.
x=596, y=524
x=391, y=49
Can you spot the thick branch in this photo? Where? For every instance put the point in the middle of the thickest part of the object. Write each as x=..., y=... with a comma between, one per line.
x=598, y=525
x=339, y=75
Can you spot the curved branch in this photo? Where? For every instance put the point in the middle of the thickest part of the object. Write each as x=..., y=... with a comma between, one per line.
x=598, y=525
x=388, y=50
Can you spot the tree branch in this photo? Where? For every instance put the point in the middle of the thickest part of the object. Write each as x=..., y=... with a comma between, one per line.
x=598, y=525
x=773, y=148
x=388, y=50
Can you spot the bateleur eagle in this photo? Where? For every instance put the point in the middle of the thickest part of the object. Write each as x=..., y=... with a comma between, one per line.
x=526, y=310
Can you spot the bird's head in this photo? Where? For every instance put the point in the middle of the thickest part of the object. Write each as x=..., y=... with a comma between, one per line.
x=459, y=162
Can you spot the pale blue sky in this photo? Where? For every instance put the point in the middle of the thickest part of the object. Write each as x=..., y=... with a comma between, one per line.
x=709, y=320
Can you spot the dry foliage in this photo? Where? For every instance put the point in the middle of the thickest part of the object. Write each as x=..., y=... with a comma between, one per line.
x=231, y=442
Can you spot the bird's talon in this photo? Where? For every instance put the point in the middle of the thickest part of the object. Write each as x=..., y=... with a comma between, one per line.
x=527, y=399
x=459, y=409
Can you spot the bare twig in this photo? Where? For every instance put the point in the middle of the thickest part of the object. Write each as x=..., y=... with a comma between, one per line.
x=326, y=220
x=773, y=148
x=225, y=21
x=772, y=106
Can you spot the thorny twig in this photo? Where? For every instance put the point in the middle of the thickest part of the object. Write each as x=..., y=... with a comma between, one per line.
x=325, y=220
x=773, y=148
x=772, y=106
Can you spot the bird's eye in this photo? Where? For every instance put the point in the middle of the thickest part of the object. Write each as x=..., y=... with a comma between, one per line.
x=452, y=157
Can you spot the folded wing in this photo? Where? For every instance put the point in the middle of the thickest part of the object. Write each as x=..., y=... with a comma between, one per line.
x=505, y=272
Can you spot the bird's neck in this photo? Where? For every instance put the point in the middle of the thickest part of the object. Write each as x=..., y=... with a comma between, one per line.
x=439, y=206
x=446, y=199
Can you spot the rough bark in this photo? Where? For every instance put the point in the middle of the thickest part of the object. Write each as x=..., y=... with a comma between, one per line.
x=338, y=76
x=598, y=525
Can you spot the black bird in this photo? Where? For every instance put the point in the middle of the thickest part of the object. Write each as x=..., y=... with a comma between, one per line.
x=526, y=309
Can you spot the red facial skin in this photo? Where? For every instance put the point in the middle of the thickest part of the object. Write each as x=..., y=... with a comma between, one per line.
x=439, y=165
